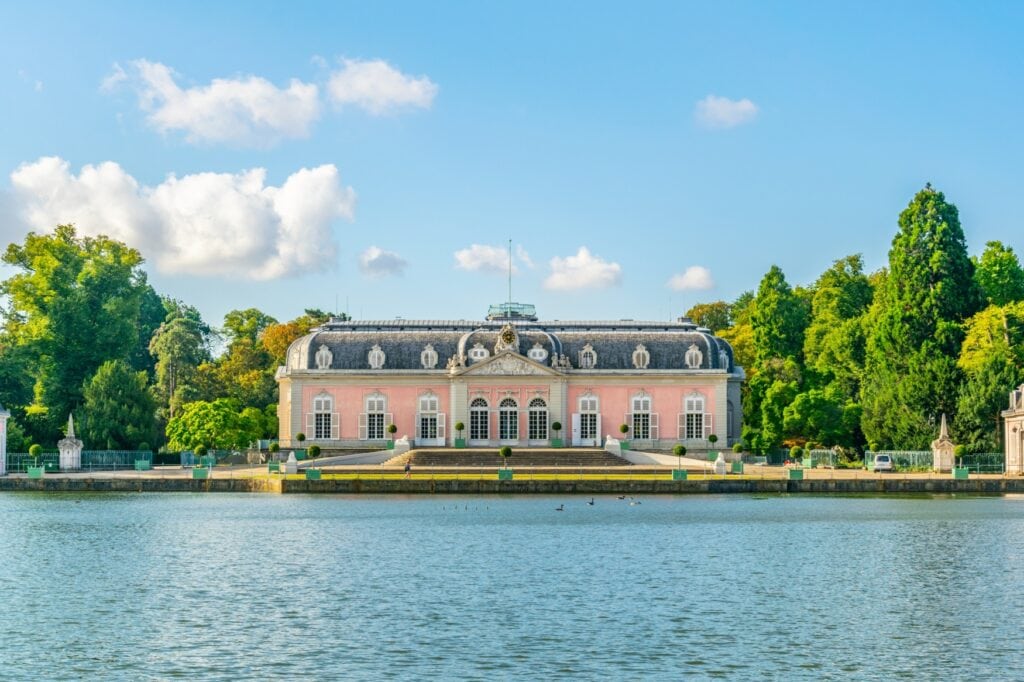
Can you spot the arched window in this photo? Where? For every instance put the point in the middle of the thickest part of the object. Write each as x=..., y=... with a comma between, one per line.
x=588, y=417
x=325, y=423
x=538, y=419
x=478, y=420
x=538, y=353
x=372, y=421
x=428, y=358
x=588, y=357
x=508, y=419
x=641, y=417
x=696, y=422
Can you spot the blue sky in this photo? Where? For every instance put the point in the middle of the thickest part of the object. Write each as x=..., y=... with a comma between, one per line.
x=428, y=128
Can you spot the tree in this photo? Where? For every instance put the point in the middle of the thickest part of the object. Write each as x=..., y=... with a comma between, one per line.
x=246, y=371
x=778, y=319
x=999, y=274
x=981, y=401
x=74, y=303
x=276, y=338
x=916, y=320
x=179, y=345
x=118, y=410
x=715, y=316
x=218, y=424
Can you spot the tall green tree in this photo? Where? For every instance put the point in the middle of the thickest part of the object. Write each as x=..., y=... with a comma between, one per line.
x=220, y=424
x=715, y=315
x=73, y=303
x=180, y=345
x=118, y=413
x=778, y=319
x=999, y=274
x=916, y=326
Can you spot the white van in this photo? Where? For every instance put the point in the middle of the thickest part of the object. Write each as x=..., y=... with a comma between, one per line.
x=882, y=463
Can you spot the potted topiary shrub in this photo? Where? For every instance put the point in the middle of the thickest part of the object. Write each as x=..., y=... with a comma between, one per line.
x=392, y=430
x=624, y=429
x=680, y=473
x=145, y=462
x=35, y=471
x=313, y=451
x=506, y=473
x=960, y=472
x=300, y=452
x=460, y=442
x=556, y=442
x=201, y=471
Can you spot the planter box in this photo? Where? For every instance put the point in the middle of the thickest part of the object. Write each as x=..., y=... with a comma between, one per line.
x=504, y=474
x=273, y=467
x=200, y=473
x=390, y=445
x=557, y=443
x=300, y=454
x=312, y=474
x=624, y=445
x=679, y=474
x=142, y=465
x=52, y=467
x=460, y=442
x=737, y=467
x=208, y=461
x=796, y=474
x=961, y=474
x=36, y=472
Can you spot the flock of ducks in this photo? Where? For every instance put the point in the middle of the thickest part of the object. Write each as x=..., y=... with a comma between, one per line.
x=632, y=502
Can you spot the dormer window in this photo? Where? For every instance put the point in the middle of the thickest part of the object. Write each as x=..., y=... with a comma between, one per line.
x=537, y=353
x=376, y=357
x=588, y=357
x=428, y=358
x=641, y=357
x=478, y=352
x=324, y=357
x=694, y=357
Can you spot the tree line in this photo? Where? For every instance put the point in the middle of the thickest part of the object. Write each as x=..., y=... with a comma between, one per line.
x=872, y=360
x=857, y=360
x=83, y=331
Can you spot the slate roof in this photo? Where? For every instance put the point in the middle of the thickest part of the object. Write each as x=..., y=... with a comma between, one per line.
x=613, y=341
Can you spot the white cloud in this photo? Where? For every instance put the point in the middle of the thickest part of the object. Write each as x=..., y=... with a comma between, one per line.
x=696, y=277
x=721, y=112
x=582, y=271
x=206, y=224
x=524, y=256
x=248, y=110
x=378, y=87
x=483, y=258
x=376, y=262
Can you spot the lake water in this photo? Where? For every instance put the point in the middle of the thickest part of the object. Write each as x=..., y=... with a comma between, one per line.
x=206, y=586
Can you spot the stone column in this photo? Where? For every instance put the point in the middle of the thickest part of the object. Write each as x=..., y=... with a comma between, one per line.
x=4, y=415
x=942, y=449
x=70, y=449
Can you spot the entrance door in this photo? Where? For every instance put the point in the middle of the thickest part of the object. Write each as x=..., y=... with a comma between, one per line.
x=587, y=424
x=479, y=427
x=429, y=422
x=508, y=421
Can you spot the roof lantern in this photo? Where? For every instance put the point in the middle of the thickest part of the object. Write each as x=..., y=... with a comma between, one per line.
x=512, y=311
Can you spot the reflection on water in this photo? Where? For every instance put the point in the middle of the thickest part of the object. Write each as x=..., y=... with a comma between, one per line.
x=259, y=586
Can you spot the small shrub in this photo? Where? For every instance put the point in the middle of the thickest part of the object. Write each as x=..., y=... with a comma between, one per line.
x=200, y=450
x=275, y=447
x=712, y=439
x=737, y=447
x=313, y=451
x=460, y=427
x=623, y=429
x=300, y=436
x=796, y=452
x=556, y=426
x=35, y=450
x=679, y=450
x=959, y=451
x=144, y=447
x=392, y=429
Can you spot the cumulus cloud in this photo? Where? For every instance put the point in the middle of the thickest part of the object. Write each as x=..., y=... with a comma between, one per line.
x=378, y=87
x=376, y=262
x=696, y=277
x=582, y=271
x=483, y=258
x=247, y=110
x=524, y=256
x=206, y=224
x=721, y=112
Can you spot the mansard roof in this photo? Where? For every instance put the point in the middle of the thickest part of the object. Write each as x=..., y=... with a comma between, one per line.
x=612, y=341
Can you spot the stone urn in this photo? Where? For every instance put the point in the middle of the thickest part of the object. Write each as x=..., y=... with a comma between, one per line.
x=292, y=465
x=720, y=465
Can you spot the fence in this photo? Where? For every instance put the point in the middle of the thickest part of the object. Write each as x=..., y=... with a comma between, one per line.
x=92, y=460
x=979, y=463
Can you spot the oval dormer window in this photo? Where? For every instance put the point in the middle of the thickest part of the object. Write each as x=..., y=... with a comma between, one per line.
x=376, y=357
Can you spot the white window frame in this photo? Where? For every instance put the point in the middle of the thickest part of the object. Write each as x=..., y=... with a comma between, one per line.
x=643, y=423
x=694, y=424
x=481, y=410
x=478, y=352
x=590, y=426
x=508, y=419
x=538, y=353
x=588, y=357
x=323, y=423
x=428, y=358
x=374, y=420
x=376, y=357
x=641, y=357
x=538, y=420
x=694, y=358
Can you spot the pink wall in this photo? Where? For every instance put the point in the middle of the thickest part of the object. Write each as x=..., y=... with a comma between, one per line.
x=403, y=404
x=616, y=401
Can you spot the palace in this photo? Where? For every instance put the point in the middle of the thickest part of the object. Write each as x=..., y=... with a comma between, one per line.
x=508, y=380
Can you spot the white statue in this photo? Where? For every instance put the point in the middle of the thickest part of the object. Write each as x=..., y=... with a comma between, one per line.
x=70, y=449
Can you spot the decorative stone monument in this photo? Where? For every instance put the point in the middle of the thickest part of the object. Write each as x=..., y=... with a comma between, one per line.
x=70, y=449
x=1013, y=419
x=292, y=465
x=720, y=465
x=4, y=415
x=942, y=449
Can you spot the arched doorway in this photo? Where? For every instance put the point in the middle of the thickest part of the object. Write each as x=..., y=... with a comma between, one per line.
x=479, y=427
x=508, y=421
x=538, y=422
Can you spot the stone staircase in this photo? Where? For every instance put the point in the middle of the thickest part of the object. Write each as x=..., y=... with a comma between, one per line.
x=521, y=457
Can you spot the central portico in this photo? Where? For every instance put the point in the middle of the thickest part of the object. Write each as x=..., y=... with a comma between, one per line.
x=507, y=380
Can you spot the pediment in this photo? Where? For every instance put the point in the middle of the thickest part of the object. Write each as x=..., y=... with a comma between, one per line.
x=508, y=364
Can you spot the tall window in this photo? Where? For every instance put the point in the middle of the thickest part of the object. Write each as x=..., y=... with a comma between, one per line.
x=588, y=358
x=694, y=408
x=376, y=405
x=508, y=419
x=428, y=416
x=322, y=408
x=588, y=417
x=478, y=420
x=538, y=426
x=641, y=417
